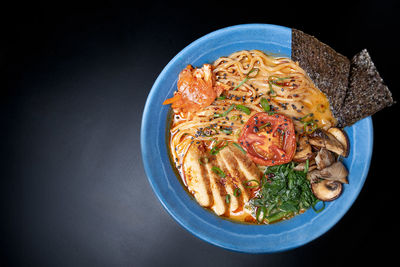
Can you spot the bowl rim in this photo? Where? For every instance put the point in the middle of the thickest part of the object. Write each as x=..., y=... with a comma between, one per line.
x=367, y=122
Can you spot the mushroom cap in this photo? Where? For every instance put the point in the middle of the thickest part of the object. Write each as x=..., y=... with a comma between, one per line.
x=342, y=137
x=303, y=149
x=324, y=159
x=321, y=138
x=336, y=172
x=327, y=190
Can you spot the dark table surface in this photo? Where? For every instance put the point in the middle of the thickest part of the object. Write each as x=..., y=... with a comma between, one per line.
x=73, y=86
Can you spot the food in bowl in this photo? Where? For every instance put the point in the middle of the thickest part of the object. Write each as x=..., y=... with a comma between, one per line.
x=256, y=140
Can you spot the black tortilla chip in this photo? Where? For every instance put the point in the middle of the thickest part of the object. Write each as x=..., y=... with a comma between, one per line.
x=328, y=69
x=367, y=93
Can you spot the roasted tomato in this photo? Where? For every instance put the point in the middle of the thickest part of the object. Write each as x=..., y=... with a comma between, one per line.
x=196, y=89
x=269, y=139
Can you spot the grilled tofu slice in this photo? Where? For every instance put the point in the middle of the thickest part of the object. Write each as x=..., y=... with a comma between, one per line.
x=224, y=192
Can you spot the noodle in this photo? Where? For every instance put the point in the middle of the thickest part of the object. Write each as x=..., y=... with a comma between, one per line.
x=279, y=80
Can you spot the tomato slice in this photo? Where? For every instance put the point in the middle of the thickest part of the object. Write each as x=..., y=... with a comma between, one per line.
x=269, y=139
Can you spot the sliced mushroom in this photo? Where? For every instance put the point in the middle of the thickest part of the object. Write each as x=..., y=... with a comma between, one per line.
x=324, y=159
x=321, y=138
x=313, y=175
x=342, y=137
x=303, y=150
x=336, y=172
x=326, y=190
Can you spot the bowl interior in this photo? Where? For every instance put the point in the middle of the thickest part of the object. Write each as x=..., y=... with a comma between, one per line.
x=184, y=209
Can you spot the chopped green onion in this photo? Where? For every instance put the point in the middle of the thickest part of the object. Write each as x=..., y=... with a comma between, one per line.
x=238, y=146
x=247, y=184
x=240, y=84
x=313, y=124
x=227, y=198
x=215, y=150
x=234, y=118
x=245, y=79
x=222, y=97
x=226, y=131
x=218, y=171
x=225, y=112
x=264, y=213
x=265, y=105
x=237, y=192
x=307, y=166
x=308, y=115
x=273, y=82
x=264, y=125
x=215, y=147
x=278, y=79
x=237, y=133
x=228, y=110
x=276, y=216
x=244, y=109
x=271, y=90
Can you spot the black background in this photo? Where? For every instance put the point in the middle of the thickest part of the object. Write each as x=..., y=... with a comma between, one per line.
x=73, y=83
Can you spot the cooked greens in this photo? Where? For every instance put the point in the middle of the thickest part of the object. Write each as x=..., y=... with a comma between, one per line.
x=284, y=193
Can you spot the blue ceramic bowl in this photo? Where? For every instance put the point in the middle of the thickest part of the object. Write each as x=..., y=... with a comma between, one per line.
x=184, y=209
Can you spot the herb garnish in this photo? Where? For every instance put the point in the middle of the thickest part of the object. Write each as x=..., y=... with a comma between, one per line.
x=218, y=171
x=227, y=198
x=248, y=183
x=237, y=192
x=265, y=105
x=215, y=150
x=245, y=79
x=264, y=125
x=244, y=109
x=274, y=82
x=310, y=122
x=226, y=131
x=231, y=107
x=216, y=115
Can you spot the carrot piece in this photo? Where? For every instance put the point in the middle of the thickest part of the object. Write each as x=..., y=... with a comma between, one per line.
x=173, y=99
